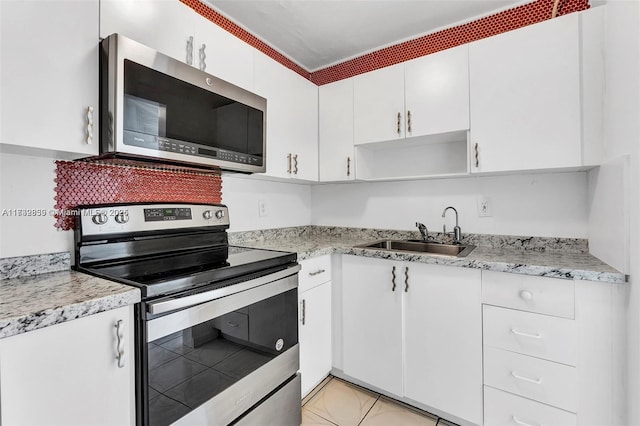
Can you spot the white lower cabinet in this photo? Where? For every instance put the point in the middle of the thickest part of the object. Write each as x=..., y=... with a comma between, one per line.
x=68, y=374
x=548, y=356
x=502, y=409
x=414, y=331
x=314, y=296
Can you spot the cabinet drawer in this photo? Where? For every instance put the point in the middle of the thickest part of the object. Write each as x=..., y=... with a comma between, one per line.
x=542, y=336
x=502, y=408
x=534, y=378
x=315, y=271
x=551, y=296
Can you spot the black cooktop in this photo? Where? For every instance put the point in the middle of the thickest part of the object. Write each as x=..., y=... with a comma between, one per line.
x=197, y=270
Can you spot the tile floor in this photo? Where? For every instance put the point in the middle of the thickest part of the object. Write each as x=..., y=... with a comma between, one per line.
x=336, y=402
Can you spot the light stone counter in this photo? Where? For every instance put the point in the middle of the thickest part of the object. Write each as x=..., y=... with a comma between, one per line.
x=38, y=301
x=546, y=257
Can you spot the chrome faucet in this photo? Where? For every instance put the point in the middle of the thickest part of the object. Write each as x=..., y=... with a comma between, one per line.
x=457, y=232
x=423, y=231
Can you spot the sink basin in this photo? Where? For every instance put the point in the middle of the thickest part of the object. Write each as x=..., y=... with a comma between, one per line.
x=415, y=246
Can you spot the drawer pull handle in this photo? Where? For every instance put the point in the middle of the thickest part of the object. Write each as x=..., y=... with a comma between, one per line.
x=120, y=344
x=233, y=324
x=318, y=272
x=523, y=334
x=521, y=423
x=526, y=295
x=526, y=379
x=393, y=278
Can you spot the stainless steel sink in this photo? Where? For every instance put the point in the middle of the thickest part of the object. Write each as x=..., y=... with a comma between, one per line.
x=416, y=246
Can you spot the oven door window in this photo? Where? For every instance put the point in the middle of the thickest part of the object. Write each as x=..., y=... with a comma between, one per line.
x=189, y=367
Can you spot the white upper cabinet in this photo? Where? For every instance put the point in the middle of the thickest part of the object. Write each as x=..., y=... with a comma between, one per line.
x=225, y=55
x=185, y=35
x=437, y=92
x=425, y=96
x=292, y=120
x=526, y=98
x=49, y=75
x=162, y=25
x=378, y=105
x=335, y=122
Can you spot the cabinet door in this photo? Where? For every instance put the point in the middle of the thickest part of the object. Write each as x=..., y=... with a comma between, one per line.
x=443, y=339
x=336, y=131
x=292, y=120
x=68, y=373
x=378, y=99
x=525, y=97
x=437, y=92
x=372, y=322
x=226, y=56
x=49, y=74
x=162, y=25
x=315, y=335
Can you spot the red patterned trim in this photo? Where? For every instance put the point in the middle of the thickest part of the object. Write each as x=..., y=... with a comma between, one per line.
x=517, y=17
x=82, y=183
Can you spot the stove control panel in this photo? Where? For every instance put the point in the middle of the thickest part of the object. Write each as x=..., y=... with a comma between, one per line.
x=119, y=219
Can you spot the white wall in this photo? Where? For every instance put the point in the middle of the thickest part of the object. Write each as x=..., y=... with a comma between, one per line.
x=531, y=205
x=622, y=137
x=26, y=182
x=287, y=204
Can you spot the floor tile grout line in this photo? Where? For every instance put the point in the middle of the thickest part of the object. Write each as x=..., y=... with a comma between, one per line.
x=369, y=410
x=315, y=391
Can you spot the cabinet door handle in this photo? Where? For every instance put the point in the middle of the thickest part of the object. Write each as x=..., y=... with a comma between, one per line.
x=203, y=57
x=120, y=345
x=348, y=166
x=190, y=50
x=409, y=121
x=295, y=164
x=398, y=124
x=406, y=279
x=289, y=163
x=476, y=155
x=303, y=305
x=521, y=423
x=318, y=272
x=89, y=125
x=526, y=379
x=393, y=278
x=523, y=334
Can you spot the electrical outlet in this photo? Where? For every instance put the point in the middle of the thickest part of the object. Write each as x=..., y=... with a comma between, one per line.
x=484, y=207
x=262, y=208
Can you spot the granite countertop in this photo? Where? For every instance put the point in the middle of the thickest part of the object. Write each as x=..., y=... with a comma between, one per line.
x=555, y=263
x=38, y=301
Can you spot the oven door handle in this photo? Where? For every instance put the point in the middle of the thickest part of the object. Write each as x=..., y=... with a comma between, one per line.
x=196, y=299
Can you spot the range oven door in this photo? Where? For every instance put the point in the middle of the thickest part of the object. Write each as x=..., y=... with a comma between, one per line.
x=209, y=363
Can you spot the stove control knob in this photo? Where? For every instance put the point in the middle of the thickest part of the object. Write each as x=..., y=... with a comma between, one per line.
x=219, y=214
x=99, y=218
x=207, y=214
x=122, y=217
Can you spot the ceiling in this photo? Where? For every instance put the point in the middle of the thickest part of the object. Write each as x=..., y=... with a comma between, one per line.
x=319, y=33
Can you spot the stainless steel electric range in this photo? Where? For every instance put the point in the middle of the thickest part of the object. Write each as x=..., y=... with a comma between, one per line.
x=217, y=330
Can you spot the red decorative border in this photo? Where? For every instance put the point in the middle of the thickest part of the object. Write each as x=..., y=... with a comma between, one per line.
x=82, y=183
x=511, y=19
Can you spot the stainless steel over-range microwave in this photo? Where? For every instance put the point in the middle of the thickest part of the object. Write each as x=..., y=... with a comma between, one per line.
x=154, y=106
